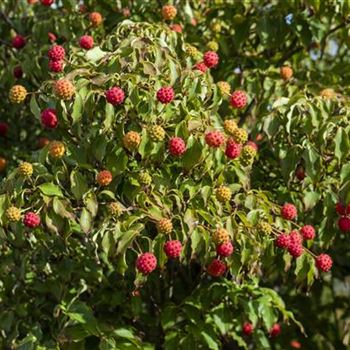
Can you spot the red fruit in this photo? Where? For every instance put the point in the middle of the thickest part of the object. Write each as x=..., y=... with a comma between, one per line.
x=289, y=211
x=177, y=146
x=344, y=224
x=233, y=150
x=239, y=99
x=173, y=249
x=3, y=129
x=46, y=2
x=282, y=241
x=216, y=268
x=252, y=144
x=49, y=118
x=340, y=208
x=324, y=262
x=201, y=67
x=275, y=330
x=176, y=27
x=300, y=173
x=225, y=249
x=31, y=220
x=52, y=37
x=214, y=138
x=17, y=72
x=146, y=263
x=19, y=41
x=248, y=328
x=56, y=66
x=211, y=59
x=308, y=232
x=295, y=344
x=115, y=96
x=295, y=237
x=165, y=94
x=56, y=53
x=295, y=249
x=86, y=42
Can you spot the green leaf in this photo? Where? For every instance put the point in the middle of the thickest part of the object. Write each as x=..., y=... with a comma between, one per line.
x=77, y=108
x=78, y=184
x=85, y=220
x=34, y=108
x=50, y=189
x=342, y=144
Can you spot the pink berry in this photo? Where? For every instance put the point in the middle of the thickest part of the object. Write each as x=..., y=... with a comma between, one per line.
x=215, y=139
x=211, y=59
x=289, y=211
x=19, y=41
x=115, y=96
x=56, y=66
x=344, y=224
x=165, y=94
x=233, y=150
x=173, y=249
x=340, y=208
x=177, y=146
x=31, y=220
x=201, y=67
x=216, y=268
x=239, y=99
x=86, y=42
x=49, y=118
x=275, y=330
x=248, y=328
x=146, y=263
x=225, y=249
x=56, y=53
x=324, y=262
x=282, y=241
x=308, y=232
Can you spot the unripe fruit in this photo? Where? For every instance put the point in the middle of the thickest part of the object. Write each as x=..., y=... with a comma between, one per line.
x=225, y=249
x=64, y=89
x=13, y=214
x=145, y=179
x=25, y=169
x=165, y=94
x=289, y=211
x=239, y=99
x=300, y=173
x=49, y=118
x=193, y=52
x=114, y=209
x=169, y=12
x=56, y=53
x=223, y=194
x=177, y=146
x=252, y=144
x=115, y=96
x=17, y=72
x=156, y=133
x=4, y=127
x=286, y=72
x=282, y=241
x=248, y=328
x=239, y=136
x=43, y=141
x=247, y=155
x=146, y=263
x=131, y=140
x=308, y=232
x=265, y=227
x=2, y=164
x=31, y=220
x=344, y=224
x=214, y=139
x=230, y=126
x=224, y=87
x=173, y=249
x=18, y=42
x=176, y=27
x=17, y=94
x=164, y=226
x=216, y=268
x=46, y=2
x=324, y=262
x=216, y=26
x=56, y=149
x=233, y=150
x=95, y=19
x=213, y=46
x=86, y=42
x=211, y=59
x=221, y=236
x=201, y=67
x=275, y=330
x=56, y=66
x=104, y=178
x=328, y=94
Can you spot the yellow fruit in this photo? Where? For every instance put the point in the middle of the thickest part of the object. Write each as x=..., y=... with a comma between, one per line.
x=64, y=89
x=224, y=87
x=223, y=194
x=56, y=149
x=221, y=236
x=169, y=12
x=164, y=226
x=115, y=209
x=17, y=94
x=230, y=126
x=13, y=214
x=286, y=72
x=328, y=94
x=145, y=179
x=193, y=52
x=104, y=178
x=240, y=135
x=131, y=140
x=25, y=169
x=265, y=227
x=213, y=46
x=247, y=155
x=156, y=133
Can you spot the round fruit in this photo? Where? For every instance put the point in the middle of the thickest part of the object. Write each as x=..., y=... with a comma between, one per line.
x=289, y=211
x=173, y=249
x=211, y=59
x=56, y=66
x=165, y=94
x=213, y=45
x=164, y=226
x=43, y=141
x=247, y=155
x=156, y=133
x=115, y=209
x=17, y=94
x=225, y=249
x=295, y=344
x=239, y=99
x=56, y=53
x=2, y=164
x=145, y=178
x=265, y=227
x=201, y=67
x=295, y=237
x=146, y=263
x=64, y=89
x=233, y=150
x=282, y=241
x=230, y=126
x=13, y=214
x=286, y=72
x=86, y=42
x=131, y=140
x=252, y=144
x=18, y=72
x=300, y=173
x=223, y=194
x=340, y=208
x=31, y=220
x=115, y=96
x=275, y=330
x=56, y=149
x=25, y=169
x=344, y=224
x=214, y=139
x=169, y=12
x=46, y=2
x=4, y=127
x=18, y=42
x=176, y=27
x=193, y=52
x=52, y=37
x=248, y=328
x=324, y=262
x=328, y=94
x=95, y=19
x=216, y=268
x=49, y=118
x=177, y=146
x=308, y=232
x=224, y=87
x=295, y=249
x=221, y=236
x=104, y=178
x=239, y=136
